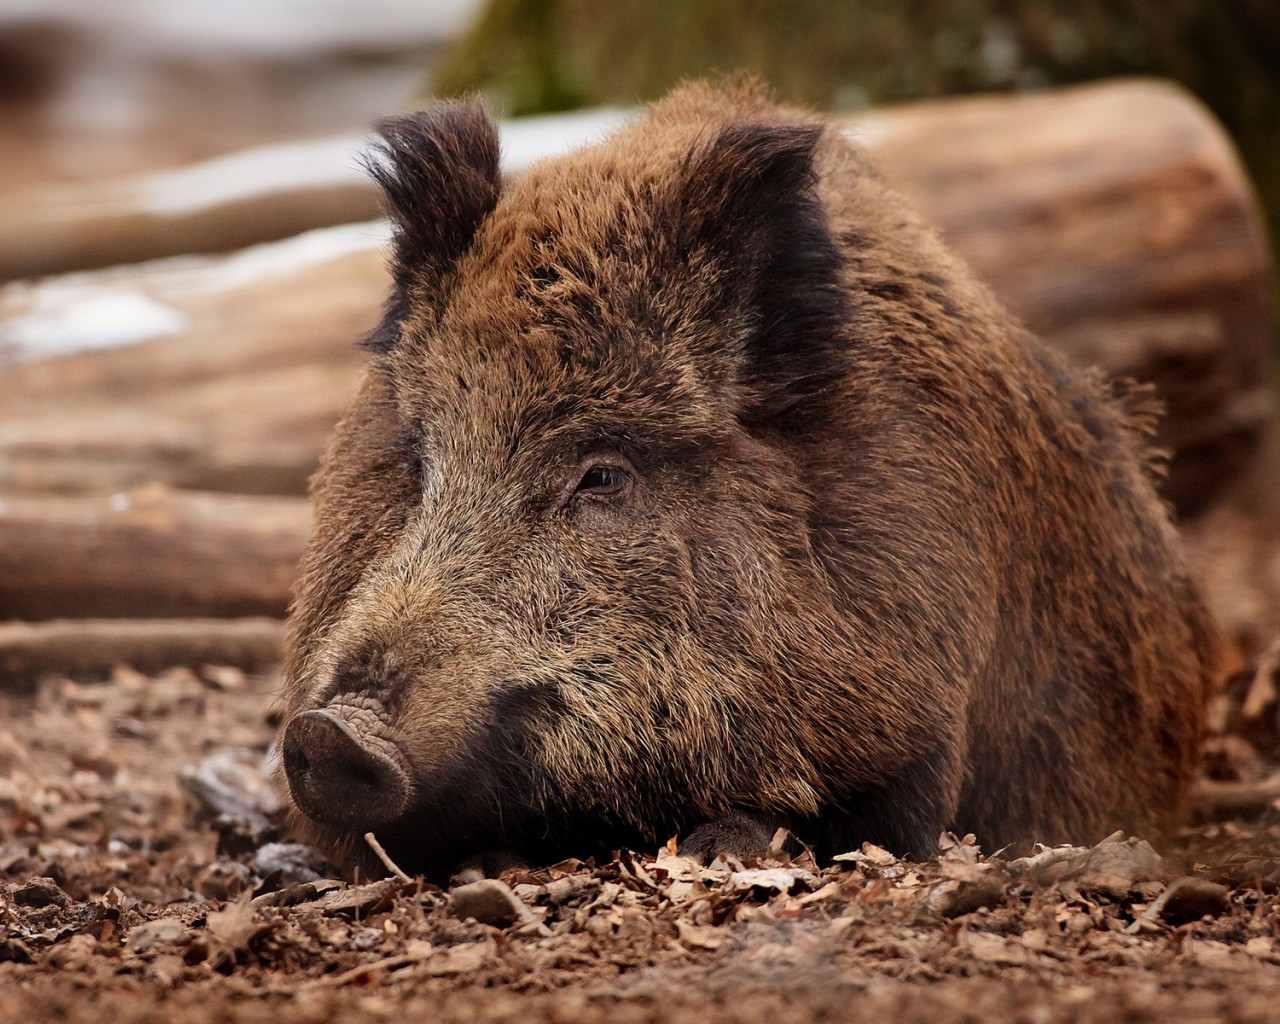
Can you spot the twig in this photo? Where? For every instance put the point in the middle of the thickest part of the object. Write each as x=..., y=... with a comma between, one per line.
x=391, y=963
x=387, y=862
x=1262, y=690
x=1213, y=798
x=1149, y=919
x=1071, y=859
x=77, y=647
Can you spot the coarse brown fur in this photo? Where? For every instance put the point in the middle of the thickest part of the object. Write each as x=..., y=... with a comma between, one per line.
x=880, y=564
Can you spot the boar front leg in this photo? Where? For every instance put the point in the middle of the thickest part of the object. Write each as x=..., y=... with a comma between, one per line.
x=741, y=835
x=486, y=864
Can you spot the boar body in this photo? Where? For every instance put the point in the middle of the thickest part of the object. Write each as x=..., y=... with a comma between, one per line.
x=695, y=489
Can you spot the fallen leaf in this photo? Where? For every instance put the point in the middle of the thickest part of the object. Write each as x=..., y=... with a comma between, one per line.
x=699, y=936
x=994, y=949
x=234, y=931
x=458, y=959
x=164, y=931
x=784, y=880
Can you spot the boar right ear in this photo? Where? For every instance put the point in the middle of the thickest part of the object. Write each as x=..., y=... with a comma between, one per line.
x=748, y=215
x=438, y=169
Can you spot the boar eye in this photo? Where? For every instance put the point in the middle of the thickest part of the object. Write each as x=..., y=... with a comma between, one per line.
x=602, y=482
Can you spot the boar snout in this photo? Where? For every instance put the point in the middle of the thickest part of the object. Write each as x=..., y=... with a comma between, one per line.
x=339, y=778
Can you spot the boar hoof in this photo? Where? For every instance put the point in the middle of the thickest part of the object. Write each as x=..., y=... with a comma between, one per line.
x=739, y=835
x=488, y=864
x=338, y=779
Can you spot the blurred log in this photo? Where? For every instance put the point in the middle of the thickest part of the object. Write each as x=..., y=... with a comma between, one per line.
x=254, y=195
x=225, y=203
x=1213, y=799
x=149, y=553
x=1114, y=218
x=1235, y=548
x=1117, y=221
x=232, y=371
x=86, y=647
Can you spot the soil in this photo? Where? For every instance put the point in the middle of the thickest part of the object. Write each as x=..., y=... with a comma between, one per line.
x=146, y=875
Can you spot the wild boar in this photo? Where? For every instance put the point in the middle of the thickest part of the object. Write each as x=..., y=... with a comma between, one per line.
x=695, y=489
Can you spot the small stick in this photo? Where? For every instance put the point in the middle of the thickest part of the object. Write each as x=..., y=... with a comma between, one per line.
x=1262, y=691
x=1213, y=798
x=391, y=963
x=89, y=647
x=387, y=862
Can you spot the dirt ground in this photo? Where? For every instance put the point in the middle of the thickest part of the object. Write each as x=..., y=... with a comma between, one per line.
x=144, y=877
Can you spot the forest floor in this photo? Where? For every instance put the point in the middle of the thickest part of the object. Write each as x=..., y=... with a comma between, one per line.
x=144, y=877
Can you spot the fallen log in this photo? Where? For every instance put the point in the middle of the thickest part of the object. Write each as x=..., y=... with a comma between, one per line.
x=1114, y=218
x=217, y=373
x=88, y=647
x=227, y=202
x=1214, y=799
x=1117, y=221
x=153, y=553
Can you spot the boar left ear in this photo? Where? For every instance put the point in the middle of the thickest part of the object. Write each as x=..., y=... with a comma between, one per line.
x=751, y=220
x=439, y=171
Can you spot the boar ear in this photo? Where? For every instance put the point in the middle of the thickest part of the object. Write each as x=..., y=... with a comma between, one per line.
x=751, y=211
x=438, y=169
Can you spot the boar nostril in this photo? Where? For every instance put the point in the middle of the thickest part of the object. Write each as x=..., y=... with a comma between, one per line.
x=338, y=778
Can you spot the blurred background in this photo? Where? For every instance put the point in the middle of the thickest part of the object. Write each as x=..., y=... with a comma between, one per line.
x=188, y=245
x=189, y=250
x=534, y=56
x=89, y=88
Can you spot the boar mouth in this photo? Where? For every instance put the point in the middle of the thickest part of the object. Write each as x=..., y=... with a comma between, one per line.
x=352, y=779
x=348, y=776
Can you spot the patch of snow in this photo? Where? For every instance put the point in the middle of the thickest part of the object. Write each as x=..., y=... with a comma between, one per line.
x=526, y=140
x=271, y=259
x=335, y=163
x=62, y=324
x=288, y=167
x=870, y=129
x=121, y=306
